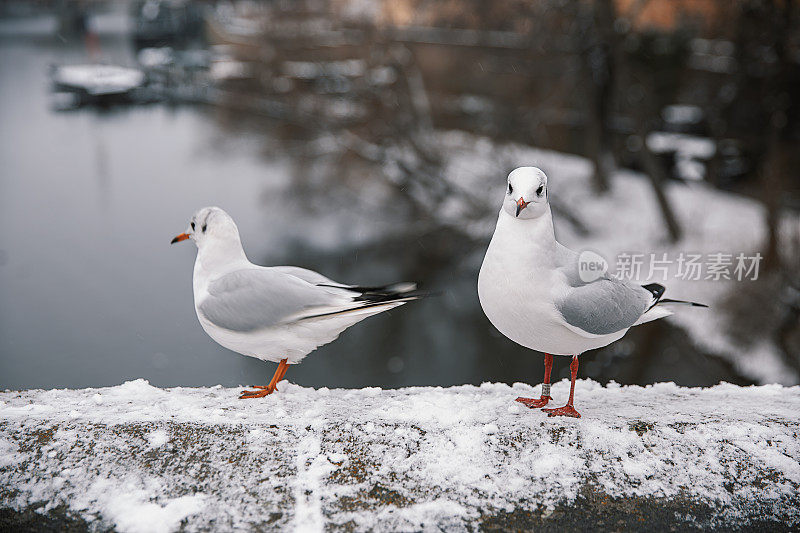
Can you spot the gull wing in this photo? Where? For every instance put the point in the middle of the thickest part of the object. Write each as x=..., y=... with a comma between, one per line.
x=604, y=306
x=309, y=276
x=252, y=299
x=260, y=298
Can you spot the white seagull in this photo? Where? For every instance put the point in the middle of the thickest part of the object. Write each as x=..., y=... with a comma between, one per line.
x=531, y=289
x=280, y=313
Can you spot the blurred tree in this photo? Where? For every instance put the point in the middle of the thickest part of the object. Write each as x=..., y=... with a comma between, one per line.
x=651, y=65
x=597, y=42
x=765, y=111
x=763, y=115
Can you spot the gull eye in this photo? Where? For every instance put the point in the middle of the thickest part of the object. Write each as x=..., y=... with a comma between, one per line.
x=540, y=190
x=204, y=227
x=193, y=225
x=510, y=188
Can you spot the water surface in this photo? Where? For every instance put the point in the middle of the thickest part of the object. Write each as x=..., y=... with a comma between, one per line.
x=91, y=293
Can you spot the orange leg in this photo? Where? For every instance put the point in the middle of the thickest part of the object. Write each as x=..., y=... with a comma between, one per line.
x=283, y=373
x=269, y=389
x=568, y=410
x=533, y=403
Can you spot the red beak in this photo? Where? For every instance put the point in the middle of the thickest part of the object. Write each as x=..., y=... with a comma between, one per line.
x=521, y=204
x=179, y=238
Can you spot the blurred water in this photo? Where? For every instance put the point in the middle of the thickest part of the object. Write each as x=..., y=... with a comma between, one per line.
x=91, y=293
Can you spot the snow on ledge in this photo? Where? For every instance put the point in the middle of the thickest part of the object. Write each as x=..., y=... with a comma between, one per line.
x=139, y=458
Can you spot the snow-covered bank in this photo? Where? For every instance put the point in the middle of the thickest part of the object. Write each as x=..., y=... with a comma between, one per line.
x=140, y=458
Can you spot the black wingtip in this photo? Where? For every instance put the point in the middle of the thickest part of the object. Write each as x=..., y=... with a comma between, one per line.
x=404, y=290
x=376, y=301
x=382, y=297
x=656, y=289
x=684, y=302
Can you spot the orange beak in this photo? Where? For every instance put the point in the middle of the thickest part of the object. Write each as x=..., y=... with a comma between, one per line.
x=521, y=204
x=179, y=238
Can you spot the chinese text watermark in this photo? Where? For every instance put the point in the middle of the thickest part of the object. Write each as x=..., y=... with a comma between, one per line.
x=716, y=266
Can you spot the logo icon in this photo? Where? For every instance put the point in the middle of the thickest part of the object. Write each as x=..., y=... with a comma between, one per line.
x=591, y=266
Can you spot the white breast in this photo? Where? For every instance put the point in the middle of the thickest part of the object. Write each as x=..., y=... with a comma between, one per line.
x=519, y=284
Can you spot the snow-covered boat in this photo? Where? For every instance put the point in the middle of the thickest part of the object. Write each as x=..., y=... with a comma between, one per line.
x=96, y=82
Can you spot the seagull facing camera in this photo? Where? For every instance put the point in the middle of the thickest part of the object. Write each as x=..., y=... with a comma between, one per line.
x=280, y=313
x=526, y=193
x=548, y=298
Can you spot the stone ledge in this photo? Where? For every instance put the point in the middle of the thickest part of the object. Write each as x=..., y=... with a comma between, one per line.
x=139, y=458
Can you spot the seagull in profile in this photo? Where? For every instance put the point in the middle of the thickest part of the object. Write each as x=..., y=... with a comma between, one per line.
x=534, y=291
x=279, y=313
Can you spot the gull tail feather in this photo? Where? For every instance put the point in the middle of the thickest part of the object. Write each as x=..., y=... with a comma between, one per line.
x=374, y=307
x=374, y=300
x=653, y=313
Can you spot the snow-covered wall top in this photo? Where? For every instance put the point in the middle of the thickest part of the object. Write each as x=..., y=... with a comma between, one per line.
x=139, y=458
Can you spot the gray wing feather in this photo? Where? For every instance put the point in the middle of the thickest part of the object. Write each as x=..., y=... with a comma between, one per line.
x=315, y=278
x=604, y=306
x=251, y=299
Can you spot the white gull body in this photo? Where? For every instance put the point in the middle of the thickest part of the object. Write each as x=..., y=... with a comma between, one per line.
x=272, y=313
x=530, y=288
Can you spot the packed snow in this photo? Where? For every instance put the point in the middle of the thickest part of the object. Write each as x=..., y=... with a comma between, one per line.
x=138, y=458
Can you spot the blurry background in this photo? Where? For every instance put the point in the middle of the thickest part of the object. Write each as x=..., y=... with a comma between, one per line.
x=370, y=140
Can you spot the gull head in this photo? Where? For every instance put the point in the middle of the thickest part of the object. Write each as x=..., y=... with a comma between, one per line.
x=210, y=225
x=526, y=193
